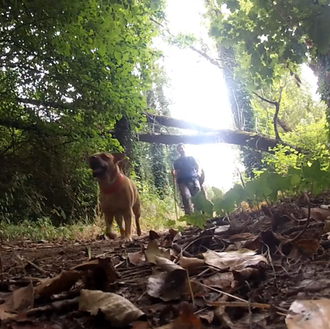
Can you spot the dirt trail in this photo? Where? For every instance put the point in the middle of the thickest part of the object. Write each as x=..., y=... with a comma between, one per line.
x=261, y=261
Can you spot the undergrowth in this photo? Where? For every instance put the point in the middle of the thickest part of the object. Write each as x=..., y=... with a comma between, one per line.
x=268, y=187
x=155, y=215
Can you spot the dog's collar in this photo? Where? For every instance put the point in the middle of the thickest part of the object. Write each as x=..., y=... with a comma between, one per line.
x=112, y=188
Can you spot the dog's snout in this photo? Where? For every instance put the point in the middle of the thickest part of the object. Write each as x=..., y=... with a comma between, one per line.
x=94, y=161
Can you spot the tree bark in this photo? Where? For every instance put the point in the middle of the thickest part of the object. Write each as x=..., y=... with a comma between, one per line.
x=242, y=138
x=177, y=123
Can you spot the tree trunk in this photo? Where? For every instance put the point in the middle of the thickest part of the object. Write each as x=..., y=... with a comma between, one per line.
x=123, y=134
x=240, y=102
x=321, y=69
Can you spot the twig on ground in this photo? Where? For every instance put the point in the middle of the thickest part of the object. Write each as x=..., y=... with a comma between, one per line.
x=271, y=261
x=36, y=267
x=302, y=231
x=190, y=289
x=224, y=293
x=57, y=306
x=307, y=221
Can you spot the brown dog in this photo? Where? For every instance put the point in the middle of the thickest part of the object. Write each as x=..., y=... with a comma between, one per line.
x=119, y=197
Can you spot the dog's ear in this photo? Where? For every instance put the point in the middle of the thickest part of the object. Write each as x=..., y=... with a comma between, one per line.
x=118, y=157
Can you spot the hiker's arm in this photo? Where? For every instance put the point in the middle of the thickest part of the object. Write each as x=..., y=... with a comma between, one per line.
x=197, y=166
x=175, y=169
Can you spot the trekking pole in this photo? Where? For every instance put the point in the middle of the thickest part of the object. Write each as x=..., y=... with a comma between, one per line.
x=174, y=195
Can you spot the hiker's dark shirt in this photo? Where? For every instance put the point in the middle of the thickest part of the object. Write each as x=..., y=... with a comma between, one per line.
x=186, y=168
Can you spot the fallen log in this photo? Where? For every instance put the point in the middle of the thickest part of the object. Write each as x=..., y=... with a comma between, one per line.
x=236, y=137
x=177, y=123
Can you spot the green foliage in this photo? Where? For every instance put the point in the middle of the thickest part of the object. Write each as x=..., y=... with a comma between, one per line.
x=297, y=106
x=272, y=36
x=156, y=213
x=182, y=40
x=69, y=71
x=267, y=187
x=195, y=219
x=44, y=230
x=202, y=204
x=308, y=136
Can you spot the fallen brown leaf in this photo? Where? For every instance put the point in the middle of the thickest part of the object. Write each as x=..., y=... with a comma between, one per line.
x=317, y=213
x=224, y=281
x=167, y=285
x=141, y=325
x=187, y=319
x=137, y=258
x=309, y=314
x=207, y=316
x=308, y=246
x=245, y=274
x=153, y=235
x=259, y=319
x=7, y=309
x=193, y=265
x=153, y=251
x=119, y=311
x=62, y=282
x=29, y=324
x=233, y=260
x=97, y=273
x=23, y=298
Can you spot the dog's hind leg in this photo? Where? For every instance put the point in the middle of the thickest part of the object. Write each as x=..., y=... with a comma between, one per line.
x=108, y=226
x=137, y=214
x=119, y=220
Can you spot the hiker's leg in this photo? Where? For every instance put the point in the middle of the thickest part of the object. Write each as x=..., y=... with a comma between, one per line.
x=194, y=187
x=185, y=196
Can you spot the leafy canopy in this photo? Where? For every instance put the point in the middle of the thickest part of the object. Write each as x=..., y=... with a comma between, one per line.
x=75, y=62
x=271, y=36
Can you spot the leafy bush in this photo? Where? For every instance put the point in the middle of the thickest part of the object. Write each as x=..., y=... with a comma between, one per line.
x=267, y=187
x=311, y=137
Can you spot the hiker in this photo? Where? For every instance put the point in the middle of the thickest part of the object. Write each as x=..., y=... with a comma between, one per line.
x=189, y=177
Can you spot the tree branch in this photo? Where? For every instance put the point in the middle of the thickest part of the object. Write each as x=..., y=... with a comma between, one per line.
x=201, y=53
x=277, y=110
x=64, y=106
x=177, y=123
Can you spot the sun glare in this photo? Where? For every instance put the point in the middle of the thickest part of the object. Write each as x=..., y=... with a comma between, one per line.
x=198, y=93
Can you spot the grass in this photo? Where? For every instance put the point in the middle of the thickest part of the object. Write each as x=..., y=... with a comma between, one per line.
x=156, y=215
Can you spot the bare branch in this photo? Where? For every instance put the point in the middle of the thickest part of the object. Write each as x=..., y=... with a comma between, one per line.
x=201, y=53
x=265, y=99
x=277, y=110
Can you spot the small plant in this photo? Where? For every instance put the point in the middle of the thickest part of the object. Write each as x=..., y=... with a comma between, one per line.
x=267, y=187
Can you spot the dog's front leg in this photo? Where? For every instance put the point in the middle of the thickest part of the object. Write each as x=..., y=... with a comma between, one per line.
x=128, y=225
x=119, y=220
x=108, y=226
